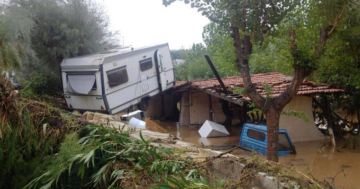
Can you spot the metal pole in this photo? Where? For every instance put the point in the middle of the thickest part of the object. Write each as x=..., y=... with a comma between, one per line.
x=216, y=74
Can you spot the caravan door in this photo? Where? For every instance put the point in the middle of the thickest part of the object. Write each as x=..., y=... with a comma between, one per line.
x=161, y=69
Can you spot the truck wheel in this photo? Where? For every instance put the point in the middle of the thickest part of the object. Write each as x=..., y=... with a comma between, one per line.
x=143, y=104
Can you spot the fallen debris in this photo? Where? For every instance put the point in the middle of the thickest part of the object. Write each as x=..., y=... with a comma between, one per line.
x=212, y=129
x=138, y=114
x=137, y=123
x=153, y=126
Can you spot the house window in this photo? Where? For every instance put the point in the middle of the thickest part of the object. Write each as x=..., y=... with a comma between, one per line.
x=146, y=64
x=256, y=135
x=117, y=76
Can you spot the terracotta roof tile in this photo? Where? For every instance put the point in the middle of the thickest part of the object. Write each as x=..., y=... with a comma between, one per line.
x=277, y=81
x=180, y=83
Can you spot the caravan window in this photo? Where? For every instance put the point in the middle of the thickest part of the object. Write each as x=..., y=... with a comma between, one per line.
x=256, y=135
x=117, y=76
x=146, y=64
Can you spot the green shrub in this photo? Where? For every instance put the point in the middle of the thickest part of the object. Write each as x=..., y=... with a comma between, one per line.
x=106, y=158
x=29, y=131
x=42, y=83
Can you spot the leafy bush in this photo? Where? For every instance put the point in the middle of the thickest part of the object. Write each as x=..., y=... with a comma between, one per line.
x=42, y=83
x=107, y=157
x=29, y=130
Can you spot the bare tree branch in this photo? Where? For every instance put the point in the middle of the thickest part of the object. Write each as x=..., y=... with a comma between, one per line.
x=336, y=22
x=322, y=42
x=242, y=61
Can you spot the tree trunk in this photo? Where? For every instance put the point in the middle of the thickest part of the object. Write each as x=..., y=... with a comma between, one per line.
x=272, y=122
x=329, y=121
x=273, y=107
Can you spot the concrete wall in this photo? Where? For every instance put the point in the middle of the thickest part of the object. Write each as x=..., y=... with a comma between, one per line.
x=185, y=109
x=199, y=108
x=219, y=116
x=298, y=129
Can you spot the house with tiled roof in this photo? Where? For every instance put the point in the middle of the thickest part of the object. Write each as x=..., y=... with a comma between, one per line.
x=201, y=100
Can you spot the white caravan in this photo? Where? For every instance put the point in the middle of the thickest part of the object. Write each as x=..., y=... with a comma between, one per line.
x=114, y=81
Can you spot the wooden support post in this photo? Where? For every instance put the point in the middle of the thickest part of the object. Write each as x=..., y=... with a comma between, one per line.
x=185, y=109
x=211, y=111
x=329, y=122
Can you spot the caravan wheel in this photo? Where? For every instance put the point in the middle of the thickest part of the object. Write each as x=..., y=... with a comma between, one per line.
x=143, y=104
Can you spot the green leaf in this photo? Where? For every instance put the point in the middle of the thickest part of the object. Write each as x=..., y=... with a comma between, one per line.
x=204, y=181
x=163, y=186
x=44, y=128
x=142, y=138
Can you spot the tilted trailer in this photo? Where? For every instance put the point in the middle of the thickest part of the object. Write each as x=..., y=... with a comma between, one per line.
x=117, y=79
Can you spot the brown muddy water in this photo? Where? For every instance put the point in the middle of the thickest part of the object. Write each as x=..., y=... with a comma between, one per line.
x=316, y=158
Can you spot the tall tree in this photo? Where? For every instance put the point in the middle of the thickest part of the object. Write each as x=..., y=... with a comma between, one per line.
x=15, y=37
x=252, y=21
x=67, y=28
x=219, y=47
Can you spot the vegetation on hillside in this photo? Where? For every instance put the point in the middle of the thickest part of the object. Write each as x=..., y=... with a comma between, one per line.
x=29, y=131
x=37, y=35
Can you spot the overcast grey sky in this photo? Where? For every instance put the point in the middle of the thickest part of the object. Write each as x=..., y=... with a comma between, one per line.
x=148, y=22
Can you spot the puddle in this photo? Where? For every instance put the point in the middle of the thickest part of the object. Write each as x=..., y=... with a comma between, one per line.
x=316, y=157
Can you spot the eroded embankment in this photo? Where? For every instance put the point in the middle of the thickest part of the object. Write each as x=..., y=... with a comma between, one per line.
x=214, y=165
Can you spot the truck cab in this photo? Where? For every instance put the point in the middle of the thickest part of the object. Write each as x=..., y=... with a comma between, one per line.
x=254, y=137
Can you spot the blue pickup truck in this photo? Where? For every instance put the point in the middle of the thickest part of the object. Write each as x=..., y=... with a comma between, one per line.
x=254, y=137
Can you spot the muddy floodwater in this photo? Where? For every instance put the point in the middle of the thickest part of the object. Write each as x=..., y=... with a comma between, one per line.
x=326, y=162
x=317, y=158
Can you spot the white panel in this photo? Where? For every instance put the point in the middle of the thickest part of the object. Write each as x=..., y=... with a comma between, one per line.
x=132, y=93
x=85, y=102
x=135, y=75
x=137, y=114
x=80, y=84
x=212, y=129
x=133, y=102
x=97, y=91
x=170, y=78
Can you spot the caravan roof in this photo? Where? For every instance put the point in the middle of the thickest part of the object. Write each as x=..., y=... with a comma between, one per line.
x=95, y=60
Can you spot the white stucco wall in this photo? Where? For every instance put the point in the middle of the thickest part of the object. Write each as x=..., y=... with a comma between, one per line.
x=200, y=108
x=298, y=129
